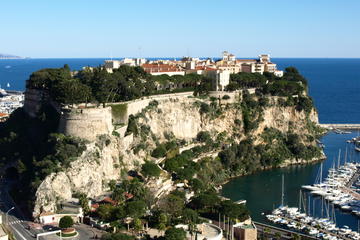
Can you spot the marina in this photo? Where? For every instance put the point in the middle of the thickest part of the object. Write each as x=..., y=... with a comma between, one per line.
x=336, y=190
x=266, y=183
x=321, y=228
x=9, y=102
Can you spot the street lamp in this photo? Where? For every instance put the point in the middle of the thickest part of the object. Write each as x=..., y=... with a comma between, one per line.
x=7, y=220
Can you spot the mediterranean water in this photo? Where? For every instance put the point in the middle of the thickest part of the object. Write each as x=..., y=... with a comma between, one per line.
x=334, y=84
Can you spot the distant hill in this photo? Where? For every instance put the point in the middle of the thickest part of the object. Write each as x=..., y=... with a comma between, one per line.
x=8, y=56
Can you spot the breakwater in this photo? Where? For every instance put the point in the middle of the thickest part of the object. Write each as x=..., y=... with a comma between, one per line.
x=340, y=126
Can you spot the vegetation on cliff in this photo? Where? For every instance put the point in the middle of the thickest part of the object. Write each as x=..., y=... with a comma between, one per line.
x=99, y=86
x=31, y=149
x=36, y=150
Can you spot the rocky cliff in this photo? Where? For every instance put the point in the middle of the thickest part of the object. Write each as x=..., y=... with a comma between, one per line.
x=182, y=117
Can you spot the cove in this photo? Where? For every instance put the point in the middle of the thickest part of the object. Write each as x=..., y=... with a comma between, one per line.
x=262, y=190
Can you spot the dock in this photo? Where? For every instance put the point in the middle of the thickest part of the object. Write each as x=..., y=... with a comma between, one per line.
x=340, y=125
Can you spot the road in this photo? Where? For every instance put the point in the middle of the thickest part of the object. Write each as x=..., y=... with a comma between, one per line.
x=17, y=223
x=15, y=220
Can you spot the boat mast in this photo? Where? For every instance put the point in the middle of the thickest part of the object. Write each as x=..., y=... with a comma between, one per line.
x=339, y=158
x=300, y=200
x=321, y=169
x=282, y=191
x=345, y=154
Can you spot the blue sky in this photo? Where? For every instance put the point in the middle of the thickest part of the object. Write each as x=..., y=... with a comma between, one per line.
x=157, y=28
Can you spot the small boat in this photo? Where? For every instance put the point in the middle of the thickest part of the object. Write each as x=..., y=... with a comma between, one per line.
x=357, y=149
x=8, y=85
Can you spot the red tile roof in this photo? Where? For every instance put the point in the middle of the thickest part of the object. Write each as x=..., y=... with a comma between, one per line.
x=205, y=68
x=160, y=68
x=109, y=200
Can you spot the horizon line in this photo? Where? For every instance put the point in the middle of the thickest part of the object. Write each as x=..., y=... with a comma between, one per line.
x=115, y=58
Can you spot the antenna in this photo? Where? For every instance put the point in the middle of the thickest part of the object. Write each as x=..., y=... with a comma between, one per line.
x=140, y=51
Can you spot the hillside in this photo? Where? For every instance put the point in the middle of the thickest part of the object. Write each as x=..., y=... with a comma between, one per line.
x=8, y=56
x=200, y=140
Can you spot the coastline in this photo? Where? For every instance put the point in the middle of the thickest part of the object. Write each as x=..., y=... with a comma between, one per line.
x=299, y=162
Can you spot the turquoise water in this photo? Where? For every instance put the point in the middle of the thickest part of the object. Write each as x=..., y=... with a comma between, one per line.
x=262, y=190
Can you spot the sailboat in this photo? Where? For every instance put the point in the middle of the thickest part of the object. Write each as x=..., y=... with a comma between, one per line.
x=318, y=181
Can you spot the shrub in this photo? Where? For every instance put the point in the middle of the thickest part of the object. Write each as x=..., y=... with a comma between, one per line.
x=237, y=121
x=159, y=151
x=117, y=236
x=204, y=108
x=203, y=136
x=175, y=234
x=132, y=127
x=66, y=222
x=150, y=169
x=226, y=97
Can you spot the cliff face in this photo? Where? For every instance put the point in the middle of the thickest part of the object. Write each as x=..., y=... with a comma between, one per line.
x=178, y=115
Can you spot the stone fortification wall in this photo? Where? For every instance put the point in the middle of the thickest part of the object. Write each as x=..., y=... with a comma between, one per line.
x=86, y=123
x=136, y=106
x=91, y=121
x=32, y=103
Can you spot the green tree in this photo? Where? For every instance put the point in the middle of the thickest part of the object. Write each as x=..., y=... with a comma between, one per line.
x=117, y=236
x=172, y=205
x=159, y=151
x=66, y=222
x=135, y=209
x=203, y=136
x=105, y=212
x=175, y=234
x=150, y=169
x=138, y=224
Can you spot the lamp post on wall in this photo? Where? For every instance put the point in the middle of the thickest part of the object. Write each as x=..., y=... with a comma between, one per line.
x=7, y=220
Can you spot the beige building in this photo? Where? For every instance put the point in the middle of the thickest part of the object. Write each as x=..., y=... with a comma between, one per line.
x=245, y=230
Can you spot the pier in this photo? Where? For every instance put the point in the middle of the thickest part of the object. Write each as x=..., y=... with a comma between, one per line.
x=340, y=125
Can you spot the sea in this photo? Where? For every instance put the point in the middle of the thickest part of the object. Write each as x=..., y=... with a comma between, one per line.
x=334, y=85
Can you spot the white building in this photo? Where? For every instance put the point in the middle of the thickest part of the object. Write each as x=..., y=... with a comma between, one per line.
x=221, y=78
x=115, y=64
x=3, y=234
x=207, y=231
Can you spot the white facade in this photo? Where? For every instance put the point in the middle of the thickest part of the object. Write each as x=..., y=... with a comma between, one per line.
x=182, y=73
x=221, y=78
x=112, y=64
x=279, y=73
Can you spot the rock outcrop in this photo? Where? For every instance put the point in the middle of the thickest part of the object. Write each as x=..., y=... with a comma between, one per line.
x=178, y=115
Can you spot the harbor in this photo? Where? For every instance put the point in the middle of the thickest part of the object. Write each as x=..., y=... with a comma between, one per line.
x=9, y=102
x=267, y=183
x=341, y=127
x=336, y=190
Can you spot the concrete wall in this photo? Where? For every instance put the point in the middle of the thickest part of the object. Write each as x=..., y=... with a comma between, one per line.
x=86, y=123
